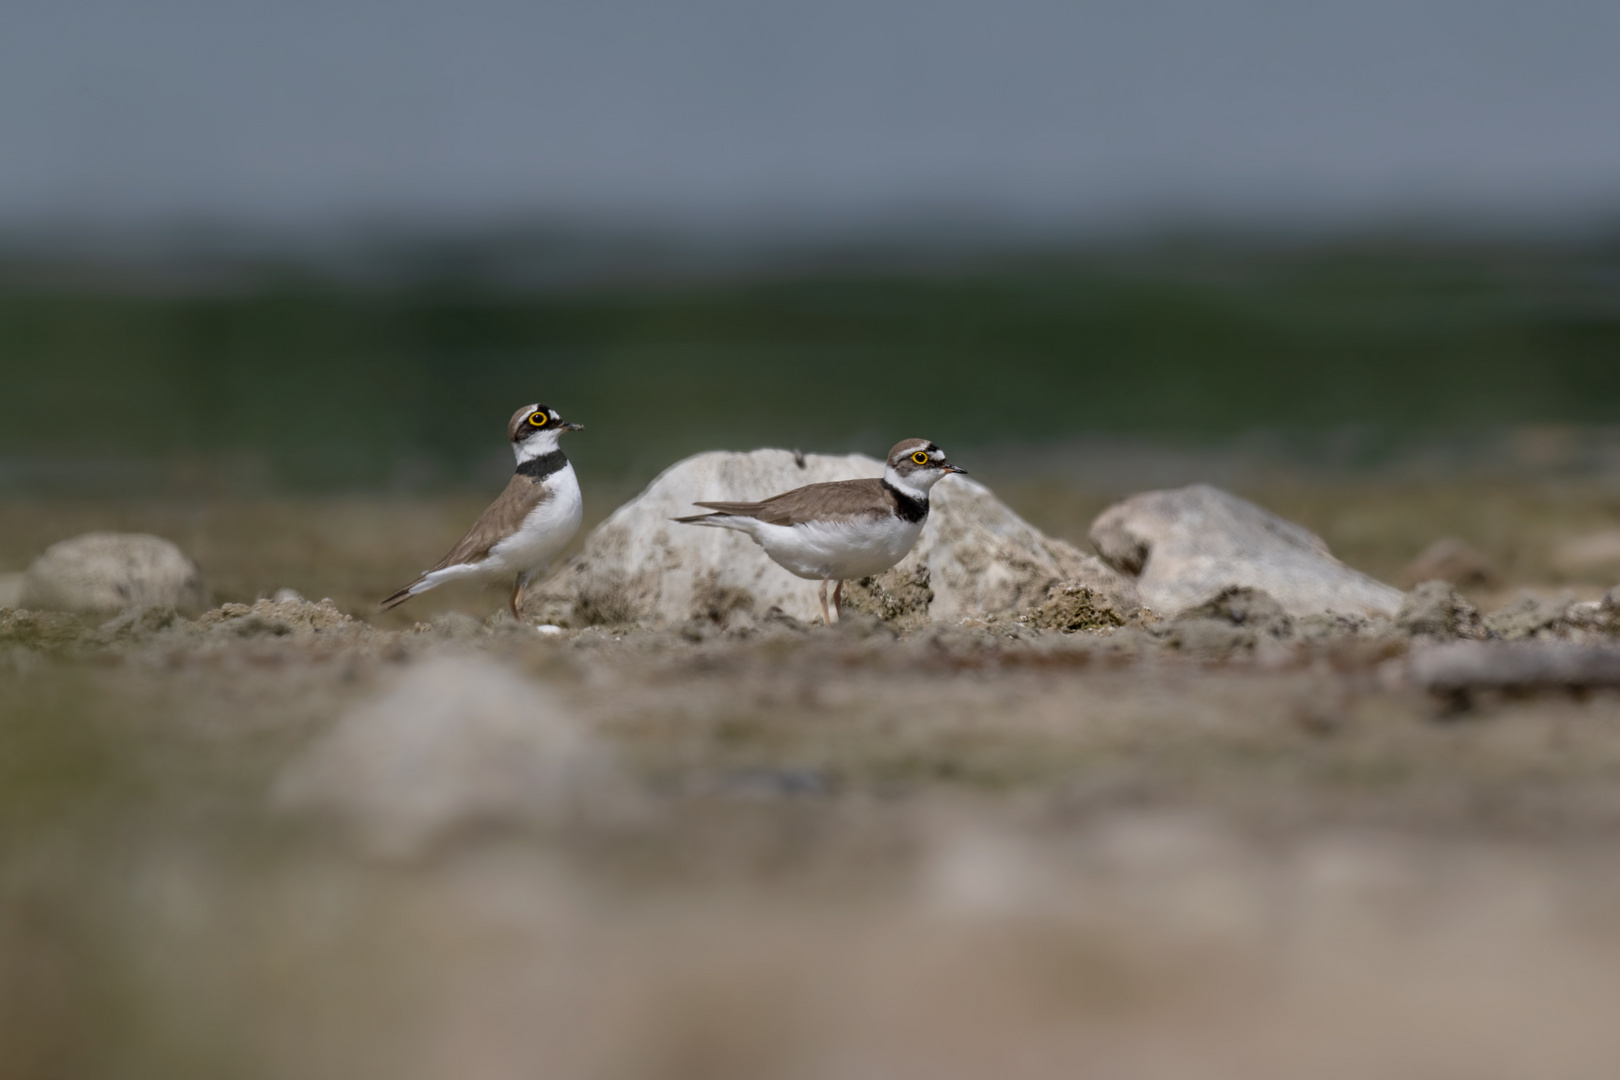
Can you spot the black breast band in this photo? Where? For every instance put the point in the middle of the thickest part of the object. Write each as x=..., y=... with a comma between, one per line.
x=538, y=468
x=908, y=507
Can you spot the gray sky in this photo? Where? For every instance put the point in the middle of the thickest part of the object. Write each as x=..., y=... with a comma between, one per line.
x=300, y=111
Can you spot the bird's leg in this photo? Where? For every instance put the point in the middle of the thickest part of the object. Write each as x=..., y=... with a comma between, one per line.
x=826, y=619
x=838, y=600
x=516, y=601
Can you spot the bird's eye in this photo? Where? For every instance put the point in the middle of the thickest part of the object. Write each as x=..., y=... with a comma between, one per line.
x=920, y=457
x=539, y=419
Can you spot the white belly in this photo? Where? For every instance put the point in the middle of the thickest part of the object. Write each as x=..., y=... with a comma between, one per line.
x=545, y=532
x=843, y=551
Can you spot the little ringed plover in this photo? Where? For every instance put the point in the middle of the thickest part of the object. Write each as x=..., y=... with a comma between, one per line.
x=531, y=521
x=844, y=530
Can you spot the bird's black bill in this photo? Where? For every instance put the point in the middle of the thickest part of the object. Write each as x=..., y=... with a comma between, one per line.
x=569, y=425
x=948, y=467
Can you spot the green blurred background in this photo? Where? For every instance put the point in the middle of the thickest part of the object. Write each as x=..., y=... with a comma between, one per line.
x=280, y=248
x=299, y=376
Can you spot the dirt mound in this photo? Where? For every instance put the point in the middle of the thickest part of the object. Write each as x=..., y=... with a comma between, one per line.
x=43, y=630
x=1434, y=610
x=900, y=596
x=1233, y=621
x=1073, y=607
x=140, y=624
x=292, y=617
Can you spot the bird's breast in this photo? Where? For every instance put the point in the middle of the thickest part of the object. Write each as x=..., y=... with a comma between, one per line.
x=547, y=528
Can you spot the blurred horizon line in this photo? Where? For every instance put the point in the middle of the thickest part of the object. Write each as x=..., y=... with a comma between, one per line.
x=527, y=250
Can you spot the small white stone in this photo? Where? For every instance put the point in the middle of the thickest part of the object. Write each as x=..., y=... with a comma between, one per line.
x=548, y=629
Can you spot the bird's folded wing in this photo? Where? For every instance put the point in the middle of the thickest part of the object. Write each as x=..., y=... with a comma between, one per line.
x=498, y=522
x=841, y=500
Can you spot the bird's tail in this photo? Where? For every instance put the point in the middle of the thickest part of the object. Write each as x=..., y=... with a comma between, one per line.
x=404, y=594
x=721, y=520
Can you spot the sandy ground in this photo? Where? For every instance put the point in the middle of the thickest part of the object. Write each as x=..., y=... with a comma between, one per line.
x=824, y=853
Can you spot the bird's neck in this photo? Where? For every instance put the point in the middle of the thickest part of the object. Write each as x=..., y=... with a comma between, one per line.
x=905, y=485
x=537, y=445
x=539, y=466
x=910, y=504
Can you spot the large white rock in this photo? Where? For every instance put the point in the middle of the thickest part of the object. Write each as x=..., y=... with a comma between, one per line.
x=456, y=741
x=1186, y=545
x=640, y=566
x=111, y=572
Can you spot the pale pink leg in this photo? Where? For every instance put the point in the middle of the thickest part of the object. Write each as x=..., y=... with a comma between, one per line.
x=516, y=600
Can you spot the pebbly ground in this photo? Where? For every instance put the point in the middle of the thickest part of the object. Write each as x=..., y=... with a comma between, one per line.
x=279, y=840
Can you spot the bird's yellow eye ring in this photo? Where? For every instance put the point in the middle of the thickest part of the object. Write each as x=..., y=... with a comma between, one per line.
x=920, y=457
x=539, y=419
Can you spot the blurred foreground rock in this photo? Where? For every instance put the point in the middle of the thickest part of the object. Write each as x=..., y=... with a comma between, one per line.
x=456, y=742
x=975, y=556
x=1466, y=667
x=111, y=572
x=1188, y=545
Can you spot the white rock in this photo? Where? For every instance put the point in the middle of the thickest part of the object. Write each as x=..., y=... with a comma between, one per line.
x=110, y=572
x=456, y=741
x=1188, y=544
x=640, y=566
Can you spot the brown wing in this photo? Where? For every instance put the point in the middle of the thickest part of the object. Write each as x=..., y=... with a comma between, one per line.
x=839, y=500
x=504, y=515
x=502, y=518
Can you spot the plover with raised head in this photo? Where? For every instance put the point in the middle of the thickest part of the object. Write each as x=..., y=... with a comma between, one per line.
x=844, y=530
x=527, y=526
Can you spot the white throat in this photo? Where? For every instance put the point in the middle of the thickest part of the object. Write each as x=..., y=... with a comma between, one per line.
x=910, y=485
x=536, y=445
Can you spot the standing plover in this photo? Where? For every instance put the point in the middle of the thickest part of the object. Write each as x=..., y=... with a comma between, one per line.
x=526, y=527
x=844, y=530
